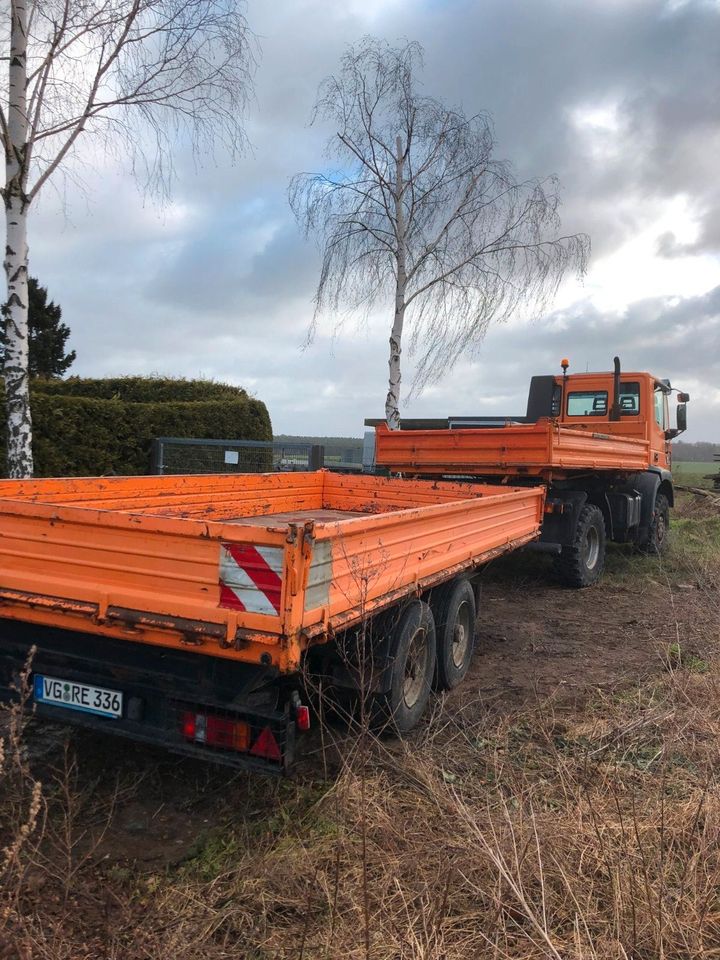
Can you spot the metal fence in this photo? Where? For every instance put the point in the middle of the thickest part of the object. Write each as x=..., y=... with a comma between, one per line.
x=343, y=457
x=173, y=455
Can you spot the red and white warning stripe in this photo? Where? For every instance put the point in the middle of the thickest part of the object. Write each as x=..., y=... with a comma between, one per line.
x=251, y=578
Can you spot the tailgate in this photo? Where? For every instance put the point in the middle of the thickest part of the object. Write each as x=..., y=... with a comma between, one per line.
x=176, y=582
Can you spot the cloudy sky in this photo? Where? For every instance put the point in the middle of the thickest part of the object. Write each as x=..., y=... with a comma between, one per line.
x=619, y=98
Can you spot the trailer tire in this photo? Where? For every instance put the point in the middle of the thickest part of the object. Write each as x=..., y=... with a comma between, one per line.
x=581, y=563
x=657, y=538
x=453, y=605
x=412, y=665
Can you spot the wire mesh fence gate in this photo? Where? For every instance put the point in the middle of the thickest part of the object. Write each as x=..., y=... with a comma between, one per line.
x=173, y=455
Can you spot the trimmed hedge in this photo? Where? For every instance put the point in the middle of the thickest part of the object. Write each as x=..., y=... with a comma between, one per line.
x=95, y=427
x=141, y=389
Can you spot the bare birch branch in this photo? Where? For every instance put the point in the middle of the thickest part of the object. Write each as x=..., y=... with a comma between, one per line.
x=450, y=234
x=134, y=76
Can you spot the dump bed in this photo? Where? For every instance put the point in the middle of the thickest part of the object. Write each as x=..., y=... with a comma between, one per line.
x=544, y=449
x=250, y=567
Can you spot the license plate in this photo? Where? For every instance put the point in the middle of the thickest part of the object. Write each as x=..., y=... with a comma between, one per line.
x=78, y=696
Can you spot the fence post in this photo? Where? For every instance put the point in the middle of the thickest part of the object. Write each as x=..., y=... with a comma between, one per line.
x=156, y=464
x=316, y=459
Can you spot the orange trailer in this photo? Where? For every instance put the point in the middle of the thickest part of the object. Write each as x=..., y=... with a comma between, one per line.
x=182, y=609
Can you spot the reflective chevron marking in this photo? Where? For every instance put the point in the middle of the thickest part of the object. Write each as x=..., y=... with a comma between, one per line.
x=251, y=578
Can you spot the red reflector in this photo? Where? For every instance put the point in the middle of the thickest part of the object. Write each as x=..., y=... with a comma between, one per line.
x=302, y=717
x=219, y=731
x=188, y=726
x=266, y=746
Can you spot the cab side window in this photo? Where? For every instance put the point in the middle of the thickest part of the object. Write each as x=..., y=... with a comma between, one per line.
x=629, y=399
x=587, y=403
x=660, y=408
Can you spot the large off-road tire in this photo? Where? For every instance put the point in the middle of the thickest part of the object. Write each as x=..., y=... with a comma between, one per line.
x=657, y=539
x=453, y=605
x=412, y=665
x=582, y=562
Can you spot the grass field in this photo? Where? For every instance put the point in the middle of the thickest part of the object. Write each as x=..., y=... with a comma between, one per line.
x=694, y=473
x=563, y=803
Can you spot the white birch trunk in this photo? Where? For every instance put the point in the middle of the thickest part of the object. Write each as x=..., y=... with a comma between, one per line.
x=392, y=402
x=15, y=364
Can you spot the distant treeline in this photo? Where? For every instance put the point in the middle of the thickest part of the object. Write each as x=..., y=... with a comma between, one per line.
x=695, y=452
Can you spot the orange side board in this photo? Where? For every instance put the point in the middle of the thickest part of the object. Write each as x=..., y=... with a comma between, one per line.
x=537, y=449
x=247, y=566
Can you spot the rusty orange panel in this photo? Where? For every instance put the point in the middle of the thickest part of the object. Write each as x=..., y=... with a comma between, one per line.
x=220, y=496
x=395, y=553
x=164, y=560
x=535, y=449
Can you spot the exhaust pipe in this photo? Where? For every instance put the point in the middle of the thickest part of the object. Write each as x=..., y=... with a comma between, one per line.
x=615, y=409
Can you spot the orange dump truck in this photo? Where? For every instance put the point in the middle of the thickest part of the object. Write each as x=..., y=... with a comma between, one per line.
x=597, y=443
x=185, y=610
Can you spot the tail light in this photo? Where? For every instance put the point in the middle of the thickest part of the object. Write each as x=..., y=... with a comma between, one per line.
x=224, y=732
x=302, y=717
x=299, y=712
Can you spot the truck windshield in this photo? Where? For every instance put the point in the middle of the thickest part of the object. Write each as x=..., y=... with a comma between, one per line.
x=594, y=403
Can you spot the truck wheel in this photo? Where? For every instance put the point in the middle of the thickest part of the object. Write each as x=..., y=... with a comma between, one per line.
x=411, y=671
x=582, y=562
x=454, y=609
x=657, y=539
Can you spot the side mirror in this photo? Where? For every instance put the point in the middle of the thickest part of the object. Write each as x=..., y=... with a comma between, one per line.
x=681, y=417
x=681, y=421
x=683, y=397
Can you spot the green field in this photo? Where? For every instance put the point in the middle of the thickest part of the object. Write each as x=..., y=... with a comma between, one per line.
x=694, y=472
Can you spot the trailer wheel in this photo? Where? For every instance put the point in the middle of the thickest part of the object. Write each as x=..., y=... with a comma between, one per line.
x=657, y=539
x=454, y=607
x=411, y=670
x=582, y=562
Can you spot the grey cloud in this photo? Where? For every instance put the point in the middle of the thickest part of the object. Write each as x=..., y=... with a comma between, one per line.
x=533, y=65
x=669, y=337
x=127, y=278
x=241, y=266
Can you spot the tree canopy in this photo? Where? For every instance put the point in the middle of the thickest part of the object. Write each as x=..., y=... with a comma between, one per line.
x=415, y=213
x=132, y=75
x=47, y=335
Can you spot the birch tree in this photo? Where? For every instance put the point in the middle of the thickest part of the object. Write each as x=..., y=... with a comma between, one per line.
x=131, y=75
x=414, y=213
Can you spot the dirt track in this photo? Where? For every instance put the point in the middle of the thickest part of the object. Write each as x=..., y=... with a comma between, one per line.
x=538, y=639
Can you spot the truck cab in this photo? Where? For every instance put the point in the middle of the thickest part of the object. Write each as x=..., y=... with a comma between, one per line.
x=639, y=408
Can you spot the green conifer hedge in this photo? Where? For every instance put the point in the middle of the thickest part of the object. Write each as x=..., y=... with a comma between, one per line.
x=85, y=427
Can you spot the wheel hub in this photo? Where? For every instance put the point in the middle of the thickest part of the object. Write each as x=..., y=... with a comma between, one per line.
x=415, y=666
x=591, y=548
x=660, y=528
x=462, y=632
